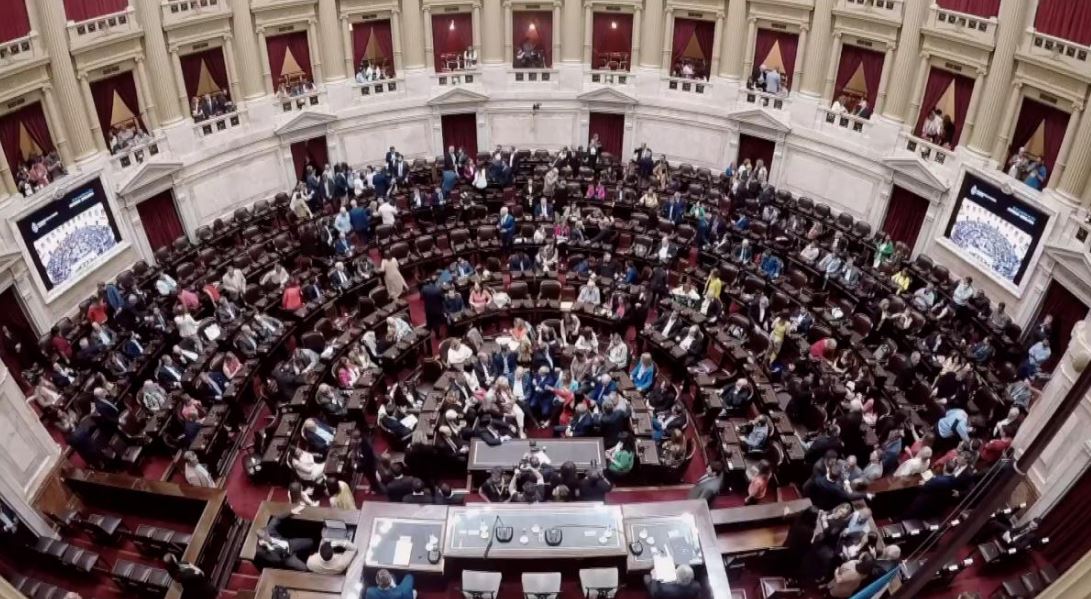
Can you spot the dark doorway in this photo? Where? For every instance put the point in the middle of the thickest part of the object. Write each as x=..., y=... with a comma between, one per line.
x=460, y=131
x=904, y=216
x=610, y=128
x=756, y=148
x=19, y=349
x=160, y=218
x=311, y=152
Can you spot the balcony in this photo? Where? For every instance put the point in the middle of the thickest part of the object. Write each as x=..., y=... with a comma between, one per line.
x=1057, y=54
x=962, y=27
x=20, y=52
x=762, y=99
x=828, y=119
x=689, y=86
x=217, y=124
x=533, y=75
x=611, y=78
x=457, y=78
x=888, y=12
x=99, y=31
x=380, y=89
x=177, y=13
x=139, y=153
x=300, y=102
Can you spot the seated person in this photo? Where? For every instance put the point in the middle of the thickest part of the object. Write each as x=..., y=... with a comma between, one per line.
x=276, y=551
x=331, y=402
x=333, y=557
x=757, y=433
x=683, y=587
x=643, y=373
x=738, y=395
x=318, y=435
x=385, y=588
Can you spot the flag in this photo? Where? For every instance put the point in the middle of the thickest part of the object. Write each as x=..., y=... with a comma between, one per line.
x=873, y=589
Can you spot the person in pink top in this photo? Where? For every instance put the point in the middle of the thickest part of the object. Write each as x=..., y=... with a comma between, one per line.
x=823, y=348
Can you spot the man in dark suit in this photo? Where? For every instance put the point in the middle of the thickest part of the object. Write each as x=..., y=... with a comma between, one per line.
x=432, y=296
x=612, y=422
x=168, y=375
x=276, y=551
x=391, y=158
x=450, y=160
x=709, y=486
x=401, y=485
x=827, y=492
x=505, y=362
x=604, y=386
x=594, y=487
x=318, y=436
x=581, y=425
x=419, y=496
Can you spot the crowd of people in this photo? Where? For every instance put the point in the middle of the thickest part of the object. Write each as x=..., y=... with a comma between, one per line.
x=768, y=80
x=857, y=107
x=295, y=86
x=939, y=128
x=210, y=106
x=126, y=135
x=38, y=171
x=369, y=71
x=1028, y=168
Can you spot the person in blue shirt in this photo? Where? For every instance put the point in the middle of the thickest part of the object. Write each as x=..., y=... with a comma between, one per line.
x=1037, y=176
x=604, y=386
x=771, y=265
x=360, y=218
x=464, y=268
x=446, y=276
x=541, y=398
x=675, y=210
x=953, y=427
x=643, y=374
x=631, y=274
x=450, y=179
x=507, y=227
x=505, y=361
x=386, y=589
x=742, y=223
x=453, y=302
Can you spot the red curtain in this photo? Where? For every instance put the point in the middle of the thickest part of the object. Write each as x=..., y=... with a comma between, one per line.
x=851, y=59
x=904, y=216
x=312, y=151
x=15, y=23
x=981, y=8
x=460, y=131
x=1066, y=19
x=280, y=45
x=536, y=28
x=81, y=10
x=103, y=90
x=788, y=43
x=191, y=69
x=1067, y=310
x=160, y=218
x=610, y=128
x=611, y=33
x=361, y=37
x=686, y=30
x=451, y=34
x=1068, y=527
x=938, y=82
x=33, y=119
x=1032, y=115
x=756, y=148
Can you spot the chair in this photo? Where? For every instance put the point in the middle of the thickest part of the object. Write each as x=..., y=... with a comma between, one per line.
x=518, y=290
x=777, y=588
x=313, y=341
x=549, y=290
x=541, y=585
x=480, y=585
x=598, y=583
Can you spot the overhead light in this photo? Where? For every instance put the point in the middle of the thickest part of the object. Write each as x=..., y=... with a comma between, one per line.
x=531, y=27
x=613, y=24
x=452, y=26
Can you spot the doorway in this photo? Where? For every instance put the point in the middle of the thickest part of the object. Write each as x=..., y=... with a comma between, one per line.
x=460, y=131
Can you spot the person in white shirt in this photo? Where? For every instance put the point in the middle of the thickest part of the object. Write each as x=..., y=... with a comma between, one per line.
x=458, y=353
x=618, y=352
x=187, y=326
x=388, y=212
x=333, y=557
x=915, y=465
x=772, y=82
x=589, y=294
x=234, y=282
x=278, y=275
x=196, y=474
x=165, y=285
x=963, y=292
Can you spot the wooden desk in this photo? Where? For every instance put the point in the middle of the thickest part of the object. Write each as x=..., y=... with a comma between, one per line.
x=273, y=509
x=760, y=513
x=301, y=585
x=582, y=451
x=470, y=531
x=691, y=511
x=752, y=540
x=422, y=517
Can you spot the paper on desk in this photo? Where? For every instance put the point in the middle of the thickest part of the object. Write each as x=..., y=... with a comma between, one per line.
x=402, y=551
x=663, y=568
x=410, y=421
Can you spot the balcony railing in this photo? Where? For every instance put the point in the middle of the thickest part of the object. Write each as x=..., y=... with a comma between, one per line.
x=17, y=52
x=889, y=11
x=847, y=122
x=384, y=87
x=980, y=31
x=1058, y=54
x=690, y=86
x=533, y=75
x=607, y=77
x=139, y=153
x=300, y=102
x=929, y=152
x=456, y=78
x=185, y=12
x=763, y=100
x=107, y=28
x=217, y=124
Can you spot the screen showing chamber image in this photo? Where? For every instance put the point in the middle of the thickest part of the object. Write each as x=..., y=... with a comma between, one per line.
x=68, y=236
x=995, y=228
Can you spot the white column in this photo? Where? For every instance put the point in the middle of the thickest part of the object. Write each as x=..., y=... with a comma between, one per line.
x=1014, y=18
x=818, y=50
x=884, y=80
x=801, y=55
x=555, y=31
x=588, y=27
x=49, y=19
x=92, y=114
x=731, y=49
x=717, y=33
x=7, y=180
x=143, y=93
x=396, y=39
x=923, y=68
x=668, y=41
x=251, y=51
x=1073, y=179
x=429, y=42
x=831, y=72
x=751, y=39
x=180, y=80
x=649, y=34
x=971, y=110
x=332, y=49
x=346, y=41
x=509, y=56
x=1007, y=125
x=57, y=130
x=266, y=68
x=1061, y=163
x=492, y=20
x=475, y=23
x=634, y=56
x=316, y=52
x=160, y=97
x=232, y=68
x=413, y=49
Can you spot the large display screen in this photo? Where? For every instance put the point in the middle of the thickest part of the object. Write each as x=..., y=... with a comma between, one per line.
x=67, y=237
x=995, y=228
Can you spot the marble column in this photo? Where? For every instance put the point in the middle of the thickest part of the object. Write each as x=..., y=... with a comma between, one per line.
x=232, y=67
x=831, y=69
x=412, y=35
x=717, y=34
x=634, y=55
x=914, y=13
x=57, y=130
x=313, y=45
x=1060, y=166
x=248, y=52
x=332, y=50
x=819, y=49
x=751, y=39
x=588, y=27
x=266, y=68
x=651, y=34
x=556, y=34
x=396, y=39
x=1074, y=178
x=1010, y=28
x=971, y=110
x=509, y=49
x=923, y=68
x=91, y=114
x=429, y=43
x=492, y=20
x=162, y=88
x=884, y=79
x=801, y=58
x=1007, y=122
x=29, y=455
x=346, y=41
x=668, y=40
x=573, y=22
x=50, y=19
x=180, y=80
x=7, y=180
x=475, y=23
x=731, y=48
x=144, y=95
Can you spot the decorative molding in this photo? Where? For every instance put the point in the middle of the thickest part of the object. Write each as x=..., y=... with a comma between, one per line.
x=756, y=118
x=457, y=95
x=303, y=121
x=607, y=95
x=147, y=175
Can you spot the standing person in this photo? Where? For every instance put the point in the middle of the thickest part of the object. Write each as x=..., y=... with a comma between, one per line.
x=432, y=296
x=196, y=473
x=392, y=276
x=194, y=581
